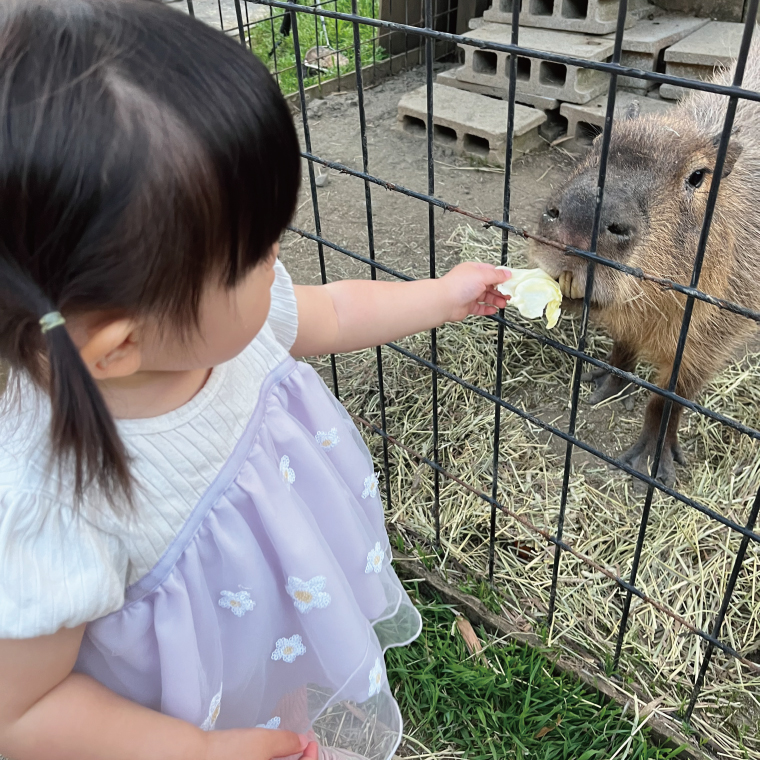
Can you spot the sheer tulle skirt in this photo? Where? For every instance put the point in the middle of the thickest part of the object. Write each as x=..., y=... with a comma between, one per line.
x=275, y=603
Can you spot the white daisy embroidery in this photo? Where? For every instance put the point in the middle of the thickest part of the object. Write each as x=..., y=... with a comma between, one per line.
x=309, y=594
x=238, y=603
x=213, y=711
x=288, y=649
x=375, y=559
x=328, y=440
x=370, y=486
x=286, y=471
x=375, y=678
x=273, y=723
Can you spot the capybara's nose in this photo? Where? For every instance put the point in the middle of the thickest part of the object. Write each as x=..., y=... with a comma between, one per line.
x=551, y=214
x=619, y=232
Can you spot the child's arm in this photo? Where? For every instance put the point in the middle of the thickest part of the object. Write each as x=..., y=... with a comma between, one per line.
x=49, y=713
x=353, y=314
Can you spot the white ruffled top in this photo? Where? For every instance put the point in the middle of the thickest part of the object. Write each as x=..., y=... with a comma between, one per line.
x=59, y=567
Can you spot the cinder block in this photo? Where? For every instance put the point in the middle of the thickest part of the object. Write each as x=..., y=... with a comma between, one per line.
x=588, y=16
x=643, y=44
x=641, y=9
x=720, y=10
x=585, y=121
x=544, y=78
x=697, y=56
x=471, y=124
x=449, y=78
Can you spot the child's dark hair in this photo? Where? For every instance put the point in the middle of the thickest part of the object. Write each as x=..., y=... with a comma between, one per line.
x=141, y=155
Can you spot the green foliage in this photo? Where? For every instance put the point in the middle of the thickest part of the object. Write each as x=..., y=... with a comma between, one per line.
x=339, y=33
x=515, y=707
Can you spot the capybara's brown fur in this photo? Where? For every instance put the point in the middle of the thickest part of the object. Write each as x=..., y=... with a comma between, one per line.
x=658, y=178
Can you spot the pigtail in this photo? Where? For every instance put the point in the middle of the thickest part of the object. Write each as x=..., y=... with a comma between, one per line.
x=82, y=429
x=36, y=344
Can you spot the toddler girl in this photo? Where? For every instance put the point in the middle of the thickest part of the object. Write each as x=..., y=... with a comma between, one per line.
x=191, y=534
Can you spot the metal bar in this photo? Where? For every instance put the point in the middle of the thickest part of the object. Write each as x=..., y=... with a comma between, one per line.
x=688, y=309
x=718, y=624
x=274, y=46
x=316, y=39
x=741, y=554
x=190, y=8
x=312, y=178
x=506, y=198
x=610, y=68
x=429, y=54
x=370, y=239
x=337, y=39
x=600, y=363
x=590, y=269
x=239, y=15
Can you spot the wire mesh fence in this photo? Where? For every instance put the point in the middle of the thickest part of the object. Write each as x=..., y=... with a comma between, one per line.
x=329, y=45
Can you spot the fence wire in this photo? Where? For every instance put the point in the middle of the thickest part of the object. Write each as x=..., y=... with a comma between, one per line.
x=432, y=28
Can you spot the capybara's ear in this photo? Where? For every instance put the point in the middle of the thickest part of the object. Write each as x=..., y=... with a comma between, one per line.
x=633, y=111
x=735, y=149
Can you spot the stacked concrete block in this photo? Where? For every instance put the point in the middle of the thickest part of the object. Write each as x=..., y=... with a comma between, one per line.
x=588, y=16
x=549, y=95
x=450, y=78
x=644, y=44
x=469, y=123
x=697, y=56
x=546, y=79
x=587, y=120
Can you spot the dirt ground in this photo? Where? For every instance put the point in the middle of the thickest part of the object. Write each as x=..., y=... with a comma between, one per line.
x=400, y=222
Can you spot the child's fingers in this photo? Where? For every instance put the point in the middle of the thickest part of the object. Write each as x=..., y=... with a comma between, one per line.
x=312, y=752
x=276, y=743
x=495, y=275
x=495, y=298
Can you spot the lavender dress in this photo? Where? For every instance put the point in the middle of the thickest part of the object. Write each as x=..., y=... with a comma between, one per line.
x=274, y=603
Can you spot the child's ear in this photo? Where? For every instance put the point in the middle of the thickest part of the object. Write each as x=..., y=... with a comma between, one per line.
x=112, y=350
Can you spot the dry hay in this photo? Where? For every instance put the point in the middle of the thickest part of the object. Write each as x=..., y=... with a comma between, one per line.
x=686, y=559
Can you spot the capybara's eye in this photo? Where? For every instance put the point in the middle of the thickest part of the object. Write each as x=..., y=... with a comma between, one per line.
x=696, y=178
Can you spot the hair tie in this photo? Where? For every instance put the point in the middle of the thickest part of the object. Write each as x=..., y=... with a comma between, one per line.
x=52, y=320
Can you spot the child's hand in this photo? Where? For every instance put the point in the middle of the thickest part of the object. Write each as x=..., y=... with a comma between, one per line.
x=259, y=744
x=470, y=290
x=312, y=752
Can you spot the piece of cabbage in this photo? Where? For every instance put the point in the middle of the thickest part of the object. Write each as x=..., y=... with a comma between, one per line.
x=531, y=291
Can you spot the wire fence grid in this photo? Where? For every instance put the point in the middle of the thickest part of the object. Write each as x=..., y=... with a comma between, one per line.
x=427, y=33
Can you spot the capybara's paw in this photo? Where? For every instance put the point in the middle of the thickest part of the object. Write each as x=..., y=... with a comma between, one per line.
x=641, y=456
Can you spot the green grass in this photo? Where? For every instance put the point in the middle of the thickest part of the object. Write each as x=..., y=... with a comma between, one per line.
x=515, y=707
x=339, y=33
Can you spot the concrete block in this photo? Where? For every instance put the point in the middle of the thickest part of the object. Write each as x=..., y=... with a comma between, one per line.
x=697, y=56
x=720, y=10
x=714, y=44
x=641, y=9
x=586, y=121
x=588, y=16
x=449, y=78
x=476, y=23
x=644, y=43
x=549, y=80
x=471, y=124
